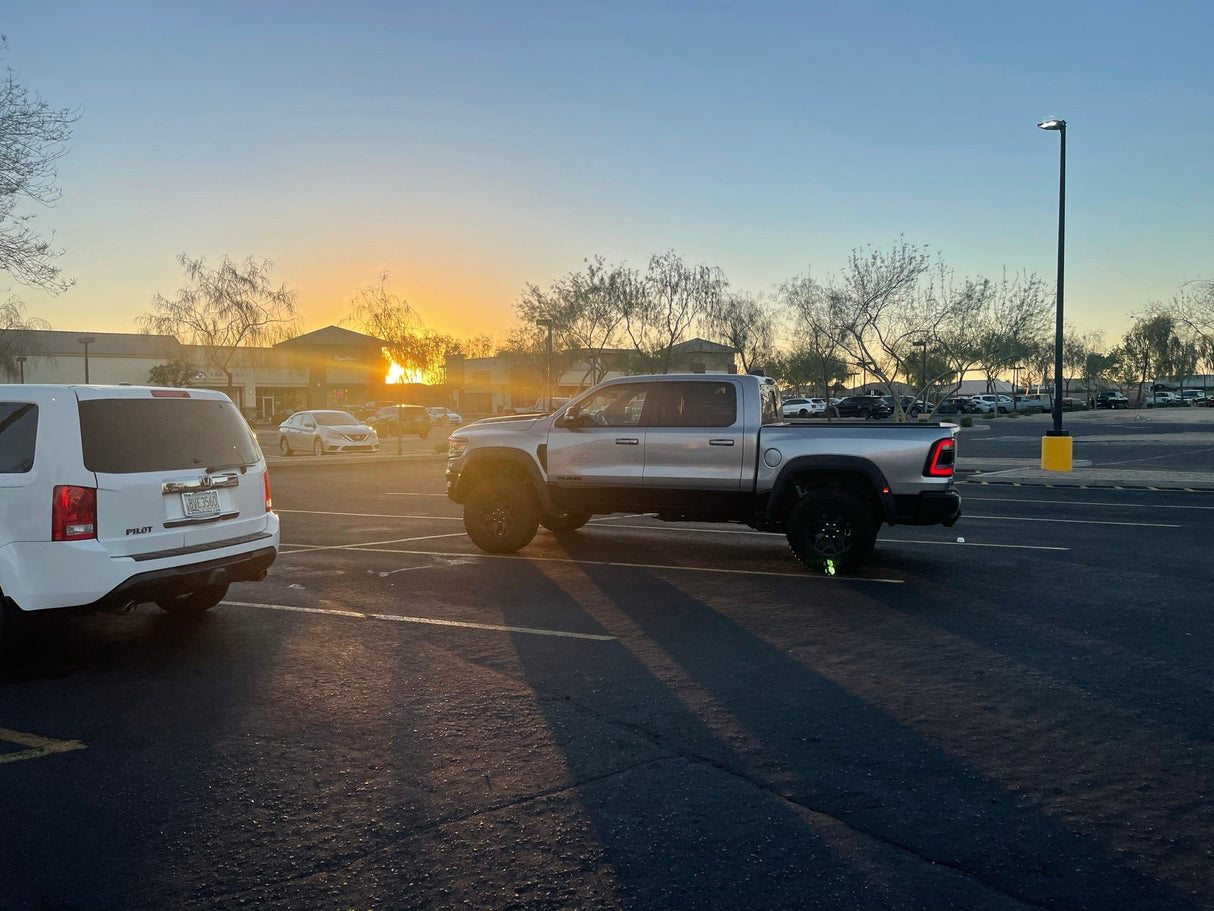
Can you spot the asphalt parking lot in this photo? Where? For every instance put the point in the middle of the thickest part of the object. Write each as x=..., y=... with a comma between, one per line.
x=1013, y=713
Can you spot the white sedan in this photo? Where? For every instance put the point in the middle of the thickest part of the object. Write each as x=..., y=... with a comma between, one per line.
x=803, y=408
x=444, y=416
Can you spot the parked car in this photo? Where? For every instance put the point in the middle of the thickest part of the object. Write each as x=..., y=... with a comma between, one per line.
x=862, y=406
x=956, y=405
x=911, y=406
x=1163, y=399
x=399, y=420
x=1193, y=397
x=1112, y=399
x=803, y=408
x=444, y=417
x=114, y=496
x=319, y=432
x=988, y=403
x=1032, y=404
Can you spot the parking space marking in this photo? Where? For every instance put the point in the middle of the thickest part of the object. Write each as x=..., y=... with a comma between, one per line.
x=970, y=518
x=365, y=515
x=687, y=569
x=36, y=746
x=973, y=499
x=427, y=621
x=307, y=548
x=881, y=541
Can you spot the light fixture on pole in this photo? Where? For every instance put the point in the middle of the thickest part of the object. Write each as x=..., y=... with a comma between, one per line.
x=1056, y=446
x=20, y=359
x=547, y=323
x=86, y=341
x=922, y=343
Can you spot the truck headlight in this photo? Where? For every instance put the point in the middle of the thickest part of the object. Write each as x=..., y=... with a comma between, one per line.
x=456, y=447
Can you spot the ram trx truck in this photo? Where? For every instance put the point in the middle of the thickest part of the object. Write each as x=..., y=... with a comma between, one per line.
x=702, y=448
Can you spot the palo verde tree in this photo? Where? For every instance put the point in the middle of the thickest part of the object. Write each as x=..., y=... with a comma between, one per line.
x=225, y=310
x=744, y=324
x=14, y=337
x=33, y=137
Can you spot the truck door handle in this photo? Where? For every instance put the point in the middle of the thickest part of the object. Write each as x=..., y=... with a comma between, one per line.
x=627, y=441
x=720, y=442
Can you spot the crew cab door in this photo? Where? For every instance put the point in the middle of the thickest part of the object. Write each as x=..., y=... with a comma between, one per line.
x=695, y=447
x=596, y=449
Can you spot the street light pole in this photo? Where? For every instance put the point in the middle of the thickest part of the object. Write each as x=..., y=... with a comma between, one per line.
x=20, y=359
x=86, y=341
x=547, y=323
x=1056, y=446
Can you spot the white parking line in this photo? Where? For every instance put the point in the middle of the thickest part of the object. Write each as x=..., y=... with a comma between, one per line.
x=1071, y=521
x=686, y=569
x=973, y=499
x=427, y=621
x=306, y=548
x=881, y=541
x=365, y=515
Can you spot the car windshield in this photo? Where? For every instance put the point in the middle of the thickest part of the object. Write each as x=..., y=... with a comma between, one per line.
x=334, y=418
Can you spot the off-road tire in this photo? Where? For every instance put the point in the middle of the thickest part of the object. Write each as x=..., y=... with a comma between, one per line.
x=194, y=603
x=564, y=521
x=501, y=516
x=831, y=529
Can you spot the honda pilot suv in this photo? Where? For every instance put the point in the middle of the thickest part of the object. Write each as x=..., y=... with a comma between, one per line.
x=111, y=496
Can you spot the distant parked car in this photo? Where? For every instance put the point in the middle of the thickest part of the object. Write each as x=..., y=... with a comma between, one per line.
x=319, y=432
x=398, y=420
x=956, y=405
x=1032, y=404
x=444, y=417
x=1112, y=399
x=803, y=408
x=1164, y=399
x=862, y=406
x=1193, y=396
x=987, y=403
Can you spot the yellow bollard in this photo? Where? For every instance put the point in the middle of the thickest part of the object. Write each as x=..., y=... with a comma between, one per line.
x=1056, y=452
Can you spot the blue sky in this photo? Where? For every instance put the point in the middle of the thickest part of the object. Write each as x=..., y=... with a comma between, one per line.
x=471, y=148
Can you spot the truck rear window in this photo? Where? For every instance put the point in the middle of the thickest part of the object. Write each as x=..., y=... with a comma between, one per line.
x=125, y=436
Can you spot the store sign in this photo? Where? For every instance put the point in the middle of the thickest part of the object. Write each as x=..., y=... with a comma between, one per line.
x=346, y=359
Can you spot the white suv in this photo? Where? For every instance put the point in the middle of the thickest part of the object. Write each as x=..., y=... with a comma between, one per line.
x=115, y=495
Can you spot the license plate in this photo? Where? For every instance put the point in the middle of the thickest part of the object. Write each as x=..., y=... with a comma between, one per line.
x=200, y=504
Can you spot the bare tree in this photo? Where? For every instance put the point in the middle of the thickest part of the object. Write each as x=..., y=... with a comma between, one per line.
x=225, y=310
x=681, y=295
x=33, y=137
x=744, y=324
x=383, y=315
x=13, y=340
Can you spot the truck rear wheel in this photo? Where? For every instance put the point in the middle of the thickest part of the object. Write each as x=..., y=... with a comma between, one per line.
x=501, y=516
x=831, y=530
x=564, y=521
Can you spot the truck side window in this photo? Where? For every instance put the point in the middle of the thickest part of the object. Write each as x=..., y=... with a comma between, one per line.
x=695, y=404
x=18, y=435
x=769, y=399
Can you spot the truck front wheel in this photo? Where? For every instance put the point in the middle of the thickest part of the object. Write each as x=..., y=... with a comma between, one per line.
x=831, y=529
x=501, y=516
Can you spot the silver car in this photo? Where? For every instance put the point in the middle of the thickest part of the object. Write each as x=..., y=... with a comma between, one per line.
x=319, y=432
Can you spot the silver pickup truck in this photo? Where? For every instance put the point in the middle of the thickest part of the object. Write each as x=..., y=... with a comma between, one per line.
x=702, y=448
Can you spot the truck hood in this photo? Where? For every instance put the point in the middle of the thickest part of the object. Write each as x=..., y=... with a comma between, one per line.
x=511, y=421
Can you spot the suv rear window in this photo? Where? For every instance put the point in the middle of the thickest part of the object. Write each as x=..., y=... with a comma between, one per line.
x=18, y=432
x=125, y=436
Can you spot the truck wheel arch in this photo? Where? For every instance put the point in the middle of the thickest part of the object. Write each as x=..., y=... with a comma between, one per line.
x=495, y=464
x=851, y=472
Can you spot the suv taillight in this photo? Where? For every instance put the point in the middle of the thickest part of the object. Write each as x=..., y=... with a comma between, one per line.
x=73, y=513
x=943, y=457
x=266, y=481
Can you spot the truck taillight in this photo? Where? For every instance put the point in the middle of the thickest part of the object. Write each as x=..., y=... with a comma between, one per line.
x=73, y=513
x=266, y=481
x=942, y=459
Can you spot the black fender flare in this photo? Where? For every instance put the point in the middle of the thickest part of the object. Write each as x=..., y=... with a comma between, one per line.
x=830, y=467
x=480, y=463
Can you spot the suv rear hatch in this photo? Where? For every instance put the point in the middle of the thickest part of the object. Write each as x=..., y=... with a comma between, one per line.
x=177, y=471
